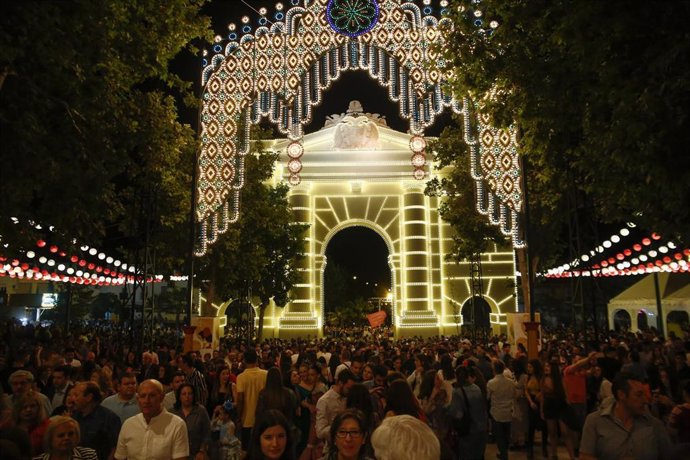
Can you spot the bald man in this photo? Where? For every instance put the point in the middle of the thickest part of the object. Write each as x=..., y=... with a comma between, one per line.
x=155, y=433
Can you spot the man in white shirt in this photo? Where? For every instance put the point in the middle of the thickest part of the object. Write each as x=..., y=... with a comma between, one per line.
x=500, y=391
x=60, y=386
x=171, y=396
x=124, y=403
x=155, y=433
x=332, y=403
x=345, y=362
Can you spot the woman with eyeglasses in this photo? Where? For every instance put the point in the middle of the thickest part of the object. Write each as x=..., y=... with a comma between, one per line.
x=349, y=437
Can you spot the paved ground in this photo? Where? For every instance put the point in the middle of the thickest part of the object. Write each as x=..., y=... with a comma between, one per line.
x=492, y=451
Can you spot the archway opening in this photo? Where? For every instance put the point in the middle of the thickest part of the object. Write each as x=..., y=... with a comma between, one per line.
x=677, y=322
x=621, y=321
x=357, y=278
x=642, y=321
x=476, y=321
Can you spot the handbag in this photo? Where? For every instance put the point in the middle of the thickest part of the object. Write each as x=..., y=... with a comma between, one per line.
x=462, y=425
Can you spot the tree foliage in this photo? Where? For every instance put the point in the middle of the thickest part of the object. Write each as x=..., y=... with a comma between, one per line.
x=599, y=92
x=261, y=250
x=336, y=286
x=89, y=117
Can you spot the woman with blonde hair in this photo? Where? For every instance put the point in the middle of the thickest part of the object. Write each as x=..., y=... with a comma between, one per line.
x=61, y=441
x=30, y=415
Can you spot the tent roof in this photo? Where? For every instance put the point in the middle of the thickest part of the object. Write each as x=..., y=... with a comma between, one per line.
x=671, y=285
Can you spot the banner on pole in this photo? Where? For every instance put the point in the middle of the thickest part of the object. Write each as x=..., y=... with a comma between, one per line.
x=377, y=319
x=517, y=333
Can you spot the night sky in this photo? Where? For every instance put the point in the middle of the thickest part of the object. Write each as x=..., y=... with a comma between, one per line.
x=348, y=246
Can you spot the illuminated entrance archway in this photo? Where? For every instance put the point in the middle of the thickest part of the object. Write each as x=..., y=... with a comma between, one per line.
x=372, y=265
x=280, y=72
x=355, y=172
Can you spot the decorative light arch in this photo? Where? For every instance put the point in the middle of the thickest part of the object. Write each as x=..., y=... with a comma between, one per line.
x=281, y=72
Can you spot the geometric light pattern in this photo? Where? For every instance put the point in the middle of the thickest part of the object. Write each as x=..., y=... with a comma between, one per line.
x=280, y=72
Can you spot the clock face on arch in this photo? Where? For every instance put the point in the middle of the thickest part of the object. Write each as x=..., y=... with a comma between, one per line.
x=352, y=17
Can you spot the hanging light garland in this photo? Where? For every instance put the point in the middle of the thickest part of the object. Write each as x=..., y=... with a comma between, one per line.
x=647, y=254
x=78, y=264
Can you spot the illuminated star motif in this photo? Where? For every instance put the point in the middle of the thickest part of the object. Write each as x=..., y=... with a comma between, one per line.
x=352, y=17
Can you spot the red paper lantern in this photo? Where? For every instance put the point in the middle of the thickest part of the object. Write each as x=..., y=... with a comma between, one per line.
x=646, y=241
x=82, y=263
x=53, y=249
x=627, y=252
x=74, y=259
x=40, y=243
x=637, y=247
x=656, y=236
x=92, y=266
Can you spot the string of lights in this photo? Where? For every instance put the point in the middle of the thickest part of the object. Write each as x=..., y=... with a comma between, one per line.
x=617, y=257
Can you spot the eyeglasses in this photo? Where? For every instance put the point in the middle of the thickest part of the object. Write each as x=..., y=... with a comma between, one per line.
x=353, y=434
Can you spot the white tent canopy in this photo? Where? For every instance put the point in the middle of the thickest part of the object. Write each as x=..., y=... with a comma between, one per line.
x=637, y=305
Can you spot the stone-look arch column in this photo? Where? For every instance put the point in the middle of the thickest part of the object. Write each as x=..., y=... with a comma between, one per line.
x=418, y=310
x=301, y=313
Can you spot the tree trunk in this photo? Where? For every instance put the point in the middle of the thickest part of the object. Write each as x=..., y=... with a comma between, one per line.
x=524, y=281
x=260, y=331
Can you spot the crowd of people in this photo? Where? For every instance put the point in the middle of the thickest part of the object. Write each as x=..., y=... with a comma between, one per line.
x=354, y=394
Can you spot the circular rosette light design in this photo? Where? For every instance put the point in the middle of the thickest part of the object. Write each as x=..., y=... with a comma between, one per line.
x=417, y=144
x=294, y=180
x=352, y=17
x=294, y=166
x=295, y=150
x=418, y=160
x=419, y=174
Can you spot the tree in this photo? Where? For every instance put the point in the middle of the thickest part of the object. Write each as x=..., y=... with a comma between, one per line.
x=88, y=115
x=261, y=250
x=599, y=92
x=337, y=287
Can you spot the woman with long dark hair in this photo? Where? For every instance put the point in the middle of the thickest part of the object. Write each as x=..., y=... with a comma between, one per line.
x=271, y=437
x=468, y=398
x=359, y=398
x=519, y=424
x=221, y=389
x=555, y=409
x=275, y=396
x=309, y=389
x=535, y=375
x=401, y=401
